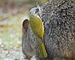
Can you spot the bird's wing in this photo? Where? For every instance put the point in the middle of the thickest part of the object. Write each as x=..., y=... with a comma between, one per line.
x=37, y=26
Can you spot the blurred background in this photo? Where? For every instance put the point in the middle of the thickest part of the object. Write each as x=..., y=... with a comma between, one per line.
x=12, y=12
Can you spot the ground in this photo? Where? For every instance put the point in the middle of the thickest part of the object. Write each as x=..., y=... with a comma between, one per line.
x=11, y=33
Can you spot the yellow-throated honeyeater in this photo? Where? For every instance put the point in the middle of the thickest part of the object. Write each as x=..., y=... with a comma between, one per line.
x=38, y=30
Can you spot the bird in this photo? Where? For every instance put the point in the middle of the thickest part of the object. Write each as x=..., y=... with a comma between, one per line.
x=38, y=30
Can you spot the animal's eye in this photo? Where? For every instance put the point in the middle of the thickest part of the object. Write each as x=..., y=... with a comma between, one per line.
x=37, y=10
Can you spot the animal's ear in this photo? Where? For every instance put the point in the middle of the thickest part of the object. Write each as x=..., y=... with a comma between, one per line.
x=25, y=24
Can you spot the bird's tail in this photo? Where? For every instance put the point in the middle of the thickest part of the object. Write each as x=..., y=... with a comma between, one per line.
x=42, y=50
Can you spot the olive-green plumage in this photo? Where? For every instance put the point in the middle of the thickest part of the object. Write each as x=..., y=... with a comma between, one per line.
x=37, y=28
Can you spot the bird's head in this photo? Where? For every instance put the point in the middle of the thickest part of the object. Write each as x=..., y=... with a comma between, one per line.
x=35, y=11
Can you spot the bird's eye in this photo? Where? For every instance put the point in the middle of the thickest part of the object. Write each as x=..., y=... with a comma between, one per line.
x=37, y=10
